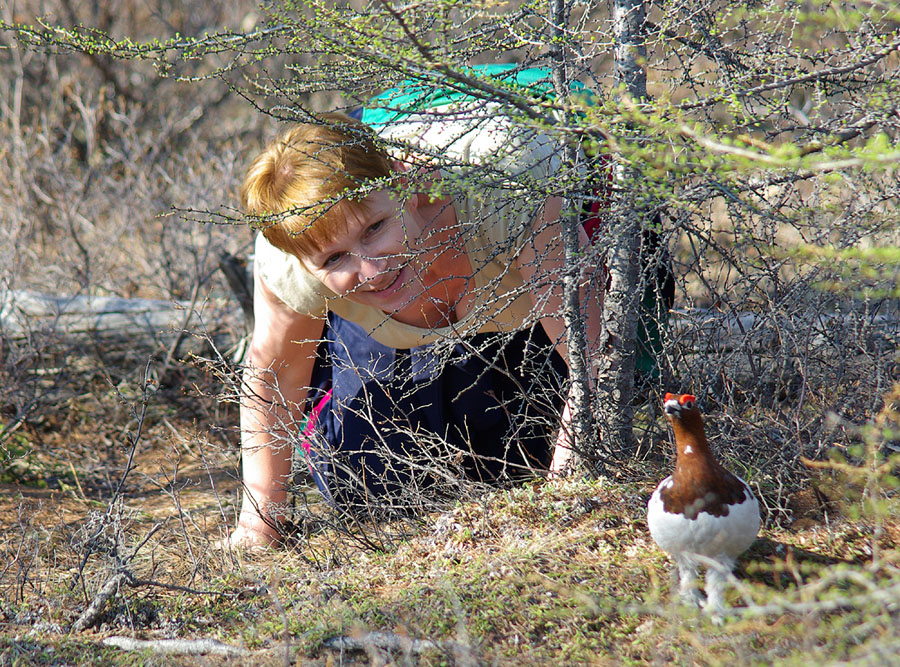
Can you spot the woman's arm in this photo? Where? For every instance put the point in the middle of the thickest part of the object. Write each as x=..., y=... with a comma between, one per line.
x=275, y=382
x=542, y=264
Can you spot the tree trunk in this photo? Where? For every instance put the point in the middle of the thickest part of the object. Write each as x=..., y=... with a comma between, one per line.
x=616, y=376
x=582, y=435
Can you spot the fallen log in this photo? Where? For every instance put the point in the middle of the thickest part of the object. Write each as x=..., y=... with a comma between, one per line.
x=177, y=646
x=25, y=312
x=706, y=331
x=701, y=330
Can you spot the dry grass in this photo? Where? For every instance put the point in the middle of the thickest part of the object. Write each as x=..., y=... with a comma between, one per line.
x=546, y=573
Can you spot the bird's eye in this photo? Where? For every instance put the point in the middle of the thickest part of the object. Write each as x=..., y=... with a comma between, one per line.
x=688, y=405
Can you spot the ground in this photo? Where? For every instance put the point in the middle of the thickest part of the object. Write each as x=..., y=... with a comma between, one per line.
x=560, y=572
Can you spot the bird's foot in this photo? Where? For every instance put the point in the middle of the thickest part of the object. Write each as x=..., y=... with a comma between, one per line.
x=716, y=609
x=693, y=597
x=716, y=618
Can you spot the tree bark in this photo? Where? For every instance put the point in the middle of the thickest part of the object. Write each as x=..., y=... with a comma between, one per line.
x=616, y=374
x=582, y=435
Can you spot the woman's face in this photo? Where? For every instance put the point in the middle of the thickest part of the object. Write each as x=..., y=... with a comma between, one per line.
x=375, y=261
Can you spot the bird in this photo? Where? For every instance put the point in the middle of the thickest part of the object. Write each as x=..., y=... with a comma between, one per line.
x=701, y=515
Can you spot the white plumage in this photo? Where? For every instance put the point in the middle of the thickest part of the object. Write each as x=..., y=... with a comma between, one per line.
x=702, y=515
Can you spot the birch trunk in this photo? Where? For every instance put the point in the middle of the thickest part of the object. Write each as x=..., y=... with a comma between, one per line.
x=616, y=374
x=582, y=430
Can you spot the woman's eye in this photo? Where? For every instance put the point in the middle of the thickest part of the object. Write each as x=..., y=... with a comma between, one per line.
x=331, y=260
x=375, y=227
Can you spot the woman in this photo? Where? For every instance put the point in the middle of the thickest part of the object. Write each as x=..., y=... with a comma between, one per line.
x=412, y=256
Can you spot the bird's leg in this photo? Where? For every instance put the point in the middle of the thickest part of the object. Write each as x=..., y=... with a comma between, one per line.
x=716, y=579
x=688, y=589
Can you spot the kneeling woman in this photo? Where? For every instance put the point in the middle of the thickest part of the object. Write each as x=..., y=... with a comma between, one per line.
x=414, y=309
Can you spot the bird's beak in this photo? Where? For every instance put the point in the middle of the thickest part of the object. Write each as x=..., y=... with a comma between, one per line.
x=672, y=408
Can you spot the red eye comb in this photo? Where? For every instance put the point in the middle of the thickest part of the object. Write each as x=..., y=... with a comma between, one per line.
x=681, y=398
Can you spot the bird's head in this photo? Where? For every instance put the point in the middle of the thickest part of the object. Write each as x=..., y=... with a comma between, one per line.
x=678, y=406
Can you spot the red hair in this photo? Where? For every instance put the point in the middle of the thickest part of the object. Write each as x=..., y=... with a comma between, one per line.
x=297, y=188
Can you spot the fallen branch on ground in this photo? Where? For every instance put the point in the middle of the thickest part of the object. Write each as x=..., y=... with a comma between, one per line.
x=90, y=615
x=95, y=608
x=176, y=646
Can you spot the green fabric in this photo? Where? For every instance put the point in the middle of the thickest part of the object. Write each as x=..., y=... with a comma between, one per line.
x=650, y=320
x=409, y=96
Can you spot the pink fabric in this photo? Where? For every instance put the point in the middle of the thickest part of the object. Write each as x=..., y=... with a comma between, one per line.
x=312, y=421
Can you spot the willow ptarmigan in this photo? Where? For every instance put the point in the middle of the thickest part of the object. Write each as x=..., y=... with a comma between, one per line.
x=701, y=514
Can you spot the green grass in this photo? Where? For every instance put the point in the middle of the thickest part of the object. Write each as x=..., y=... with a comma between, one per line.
x=506, y=578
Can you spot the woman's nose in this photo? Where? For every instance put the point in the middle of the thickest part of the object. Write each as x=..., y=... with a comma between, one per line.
x=371, y=267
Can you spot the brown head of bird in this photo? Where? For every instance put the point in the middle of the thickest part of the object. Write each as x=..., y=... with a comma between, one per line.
x=700, y=483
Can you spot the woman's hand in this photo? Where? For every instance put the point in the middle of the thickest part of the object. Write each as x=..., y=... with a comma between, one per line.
x=251, y=532
x=541, y=262
x=278, y=371
x=562, y=452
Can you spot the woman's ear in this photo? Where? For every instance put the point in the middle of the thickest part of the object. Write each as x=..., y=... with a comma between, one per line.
x=418, y=178
x=414, y=200
x=403, y=169
x=407, y=178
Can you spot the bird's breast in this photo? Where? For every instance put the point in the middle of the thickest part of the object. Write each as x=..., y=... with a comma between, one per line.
x=703, y=533
x=703, y=489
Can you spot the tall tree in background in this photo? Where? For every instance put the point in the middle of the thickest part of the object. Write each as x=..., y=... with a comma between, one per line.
x=579, y=360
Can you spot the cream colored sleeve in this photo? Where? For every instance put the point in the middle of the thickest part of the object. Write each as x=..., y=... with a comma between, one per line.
x=289, y=281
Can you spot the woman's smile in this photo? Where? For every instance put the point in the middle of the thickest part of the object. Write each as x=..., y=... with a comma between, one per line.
x=384, y=293
x=389, y=287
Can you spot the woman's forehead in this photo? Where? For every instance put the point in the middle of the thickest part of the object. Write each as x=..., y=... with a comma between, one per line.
x=379, y=200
